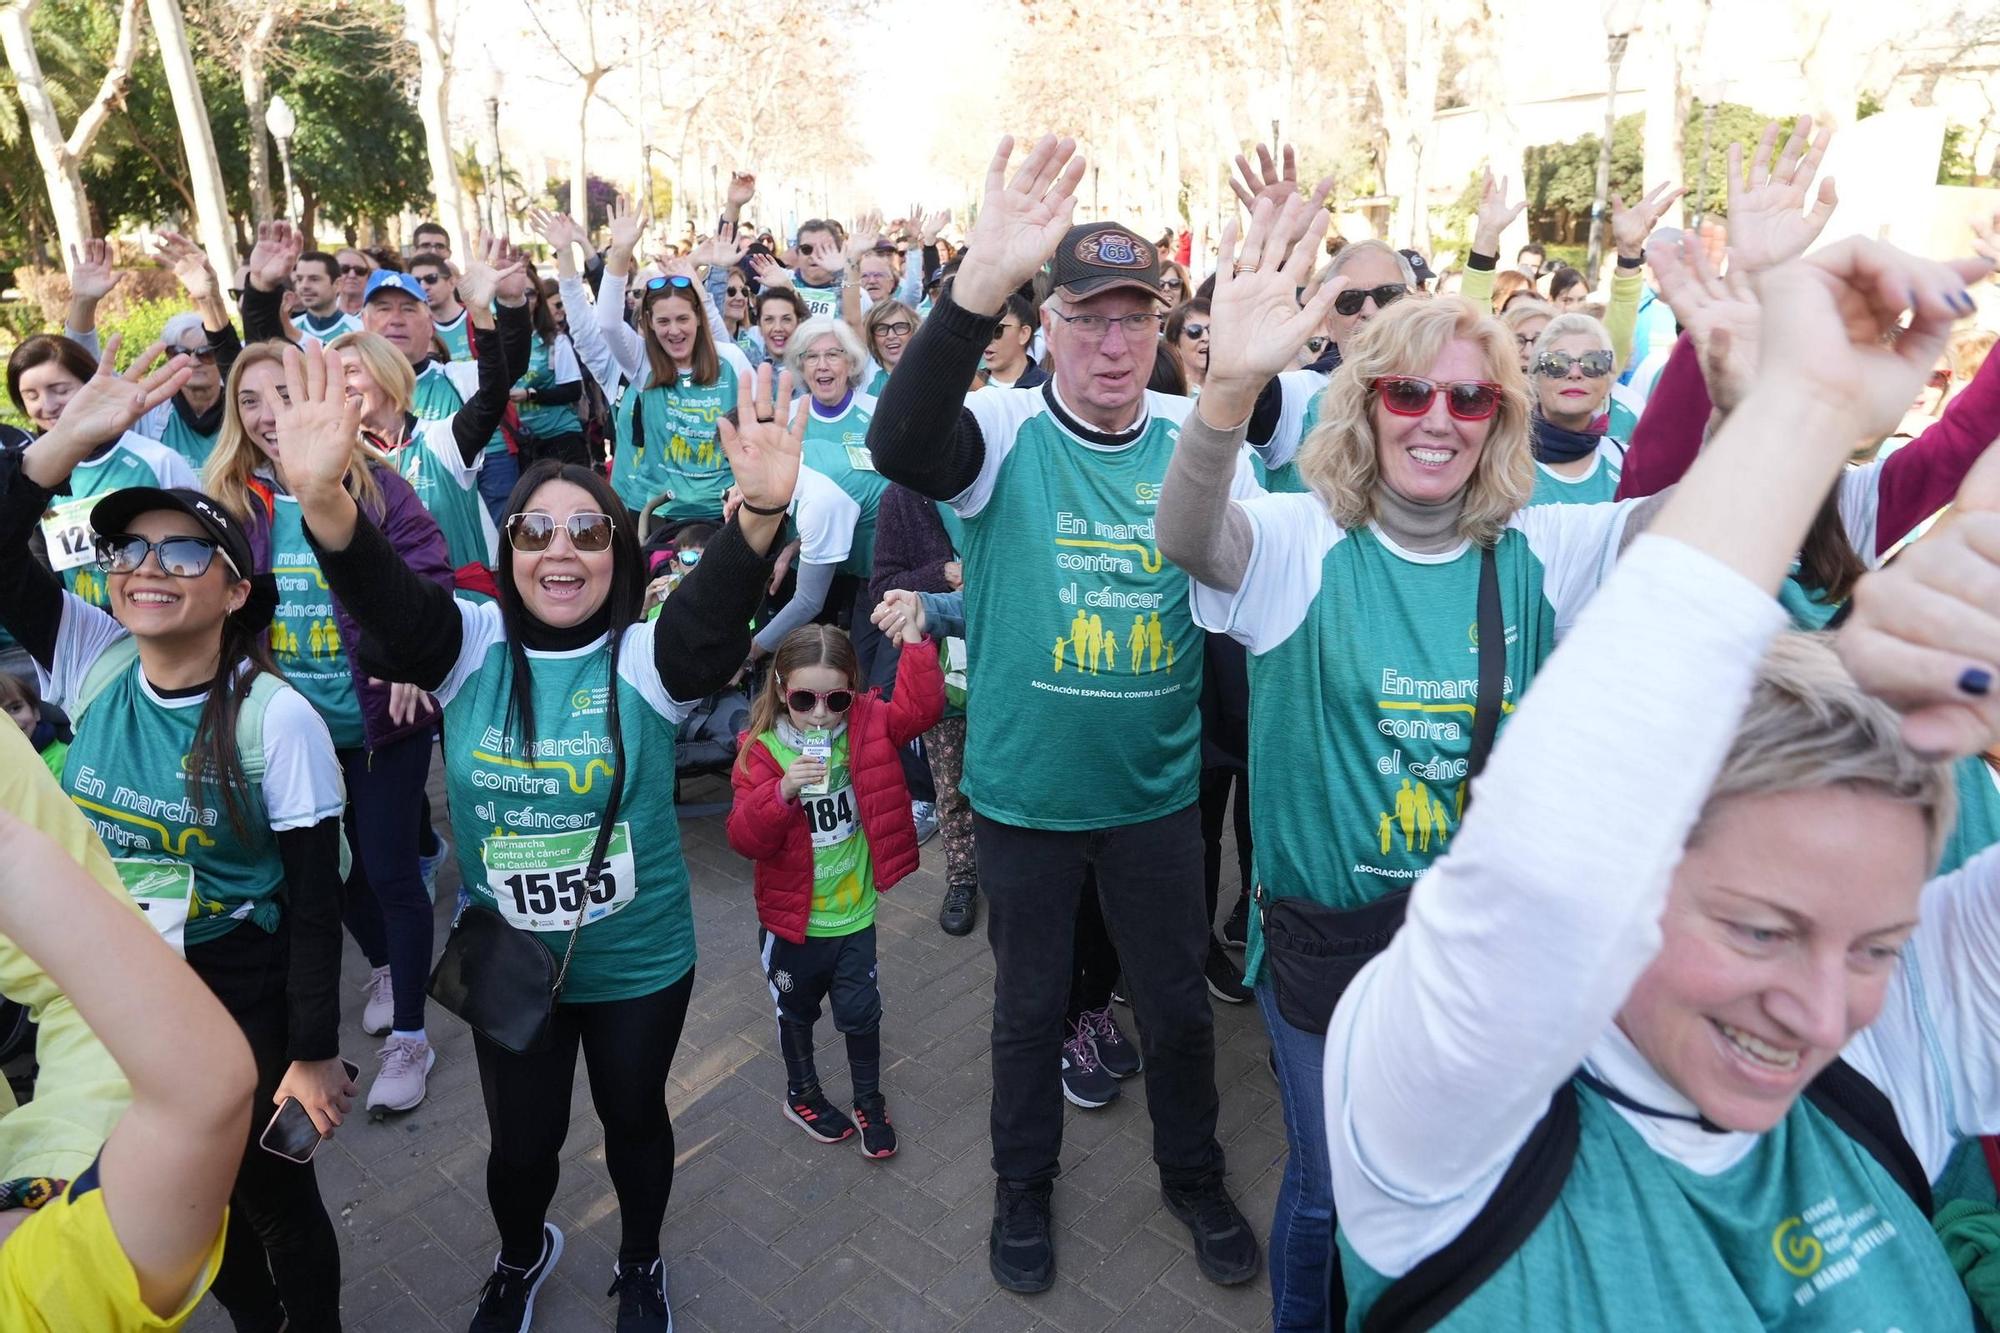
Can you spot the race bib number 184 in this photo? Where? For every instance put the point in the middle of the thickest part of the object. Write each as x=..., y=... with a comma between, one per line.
x=538, y=882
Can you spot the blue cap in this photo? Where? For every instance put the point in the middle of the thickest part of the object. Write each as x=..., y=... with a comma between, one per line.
x=383, y=279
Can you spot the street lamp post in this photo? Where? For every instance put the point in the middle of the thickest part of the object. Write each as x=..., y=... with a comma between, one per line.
x=1620, y=17
x=283, y=124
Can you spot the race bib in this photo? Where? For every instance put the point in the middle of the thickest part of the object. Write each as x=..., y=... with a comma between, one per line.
x=538, y=881
x=831, y=817
x=860, y=458
x=66, y=528
x=163, y=890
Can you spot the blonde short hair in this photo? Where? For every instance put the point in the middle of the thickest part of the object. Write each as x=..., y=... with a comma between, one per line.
x=1519, y=313
x=389, y=368
x=1338, y=460
x=1573, y=325
x=819, y=326
x=1808, y=725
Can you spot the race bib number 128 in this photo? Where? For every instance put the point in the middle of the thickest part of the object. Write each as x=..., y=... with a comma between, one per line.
x=538, y=881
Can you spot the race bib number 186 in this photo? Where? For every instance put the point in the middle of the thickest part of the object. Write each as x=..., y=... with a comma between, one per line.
x=538, y=881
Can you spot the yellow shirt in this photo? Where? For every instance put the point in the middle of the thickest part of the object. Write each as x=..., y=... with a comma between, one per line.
x=63, y=1271
x=79, y=1091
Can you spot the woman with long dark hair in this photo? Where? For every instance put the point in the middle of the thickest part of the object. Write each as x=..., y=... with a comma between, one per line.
x=215, y=786
x=561, y=707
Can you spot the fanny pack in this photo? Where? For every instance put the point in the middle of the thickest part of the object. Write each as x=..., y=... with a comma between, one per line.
x=502, y=981
x=1313, y=953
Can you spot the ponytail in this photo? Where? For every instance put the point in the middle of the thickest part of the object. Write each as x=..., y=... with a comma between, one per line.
x=214, y=764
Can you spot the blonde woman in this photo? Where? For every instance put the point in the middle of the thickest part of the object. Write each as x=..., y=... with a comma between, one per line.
x=381, y=733
x=1419, y=473
x=1578, y=458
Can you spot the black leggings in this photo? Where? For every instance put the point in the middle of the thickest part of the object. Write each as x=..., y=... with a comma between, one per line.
x=628, y=1047
x=280, y=1256
x=1215, y=785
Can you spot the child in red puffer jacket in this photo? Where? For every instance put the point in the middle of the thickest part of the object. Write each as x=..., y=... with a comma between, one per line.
x=828, y=834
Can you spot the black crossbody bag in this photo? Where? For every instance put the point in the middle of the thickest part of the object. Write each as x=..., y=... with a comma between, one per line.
x=1312, y=952
x=502, y=981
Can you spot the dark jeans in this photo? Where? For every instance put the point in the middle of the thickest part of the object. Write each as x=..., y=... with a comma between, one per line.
x=387, y=908
x=280, y=1257
x=628, y=1047
x=1149, y=882
x=1215, y=785
x=497, y=476
x=839, y=969
x=1094, y=973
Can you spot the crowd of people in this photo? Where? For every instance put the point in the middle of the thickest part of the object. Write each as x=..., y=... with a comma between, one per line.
x=869, y=525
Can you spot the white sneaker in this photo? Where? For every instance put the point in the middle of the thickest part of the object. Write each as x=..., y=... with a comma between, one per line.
x=400, y=1085
x=924, y=814
x=379, y=1014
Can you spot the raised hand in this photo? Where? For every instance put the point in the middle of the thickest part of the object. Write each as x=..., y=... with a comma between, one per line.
x=1256, y=325
x=494, y=270
x=318, y=423
x=1834, y=323
x=866, y=235
x=1020, y=223
x=625, y=227
x=1924, y=635
x=932, y=226
x=1766, y=227
x=1721, y=312
x=769, y=272
x=109, y=403
x=742, y=186
x=1495, y=215
x=560, y=230
x=1631, y=226
x=763, y=450
x=721, y=250
x=91, y=276
x=278, y=248
x=189, y=264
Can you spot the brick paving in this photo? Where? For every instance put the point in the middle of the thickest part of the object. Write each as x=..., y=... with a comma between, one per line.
x=768, y=1230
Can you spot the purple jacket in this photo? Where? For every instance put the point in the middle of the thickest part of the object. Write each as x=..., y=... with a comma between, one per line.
x=416, y=537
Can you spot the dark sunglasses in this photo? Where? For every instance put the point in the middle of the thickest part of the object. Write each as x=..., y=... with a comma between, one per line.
x=1350, y=302
x=428, y=279
x=1194, y=332
x=204, y=353
x=180, y=557
x=836, y=701
x=670, y=280
x=1555, y=365
x=532, y=530
x=737, y=291
x=354, y=270
x=1409, y=396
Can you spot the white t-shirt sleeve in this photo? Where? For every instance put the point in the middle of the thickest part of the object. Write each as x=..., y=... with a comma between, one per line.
x=1000, y=414
x=586, y=338
x=480, y=627
x=1859, y=500
x=171, y=469
x=1290, y=536
x=1296, y=391
x=1577, y=546
x=302, y=779
x=464, y=377
x=562, y=362
x=636, y=667
x=437, y=437
x=81, y=638
x=826, y=517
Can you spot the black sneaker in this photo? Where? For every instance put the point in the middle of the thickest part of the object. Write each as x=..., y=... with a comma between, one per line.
x=1115, y=1051
x=1020, y=1250
x=960, y=912
x=641, y=1290
x=818, y=1117
x=1224, y=975
x=878, y=1136
x=507, y=1301
x=1225, y=1249
x=1085, y=1082
x=1236, y=930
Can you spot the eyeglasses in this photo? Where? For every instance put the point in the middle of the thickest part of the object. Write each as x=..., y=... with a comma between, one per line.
x=670, y=280
x=1194, y=332
x=902, y=328
x=1409, y=396
x=1556, y=365
x=1094, y=328
x=354, y=270
x=1349, y=302
x=180, y=557
x=836, y=701
x=532, y=530
x=428, y=279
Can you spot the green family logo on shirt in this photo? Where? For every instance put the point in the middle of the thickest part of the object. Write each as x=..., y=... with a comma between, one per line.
x=1826, y=1246
x=1429, y=711
x=1119, y=549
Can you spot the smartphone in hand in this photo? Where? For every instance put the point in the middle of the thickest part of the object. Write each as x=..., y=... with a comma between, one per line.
x=292, y=1134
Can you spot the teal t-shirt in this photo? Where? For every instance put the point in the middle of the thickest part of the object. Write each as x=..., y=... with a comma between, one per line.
x=438, y=396
x=430, y=461
x=1598, y=484
x=878, y=383
x=305, y=636
x=1807, y=1232
x=1085, y=674
x=186, y=441
x=457, y=337
x=544, y=423
x=843, y=897
x=524, y=818
x=837, y=447
x=681, y=452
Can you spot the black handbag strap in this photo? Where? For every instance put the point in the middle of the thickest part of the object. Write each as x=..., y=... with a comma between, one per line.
x=1492, y=668
x=601, y=849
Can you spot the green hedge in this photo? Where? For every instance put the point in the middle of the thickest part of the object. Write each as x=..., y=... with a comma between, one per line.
x=140, y=324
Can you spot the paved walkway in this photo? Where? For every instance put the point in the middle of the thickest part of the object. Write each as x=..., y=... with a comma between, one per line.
x=769, y=1230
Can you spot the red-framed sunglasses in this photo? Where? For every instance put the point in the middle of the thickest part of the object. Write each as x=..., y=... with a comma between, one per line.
x=836, y=701
x=1411, y=396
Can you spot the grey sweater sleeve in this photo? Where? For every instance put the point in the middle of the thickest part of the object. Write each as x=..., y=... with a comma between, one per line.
x=1199, y=529
x=808, y=596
